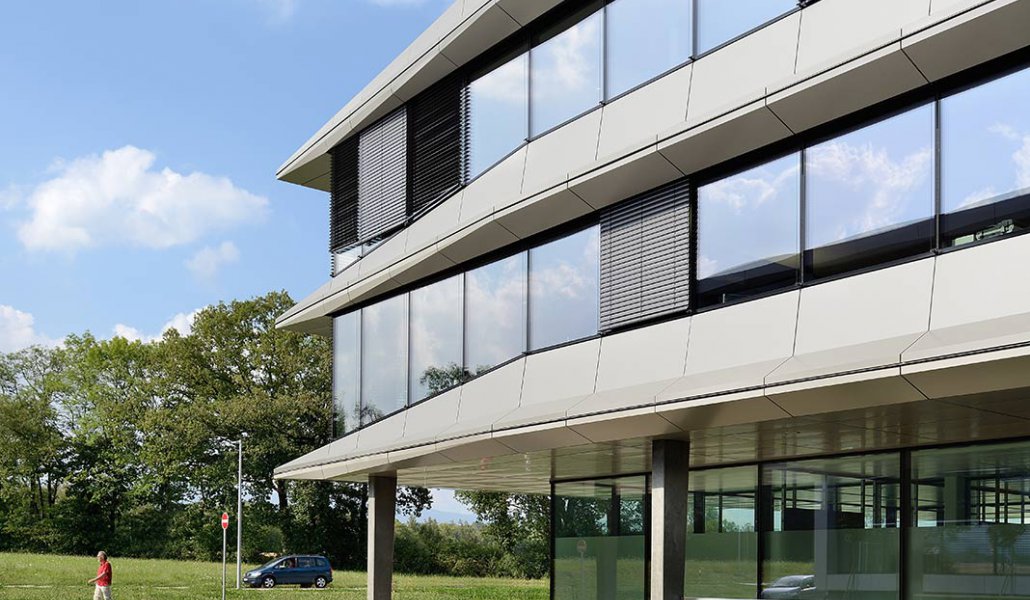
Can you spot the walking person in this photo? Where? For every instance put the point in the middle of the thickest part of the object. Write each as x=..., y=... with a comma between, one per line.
x=103, y=578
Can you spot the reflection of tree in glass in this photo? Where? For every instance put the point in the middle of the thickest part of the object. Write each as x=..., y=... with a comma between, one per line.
x=439, y=379
x=368, y=414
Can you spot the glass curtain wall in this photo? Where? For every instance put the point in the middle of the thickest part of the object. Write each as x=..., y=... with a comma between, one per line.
x=749, y=232
x=495, y=313
x=719, y=21
x=436, y=363
x=832, y=528
x=600, y=543
x=722, y=540
x=970, y=537
x=564, y=294
x=985, y=161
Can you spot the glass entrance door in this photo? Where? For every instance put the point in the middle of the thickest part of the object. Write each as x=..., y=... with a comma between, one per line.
x=600, y=539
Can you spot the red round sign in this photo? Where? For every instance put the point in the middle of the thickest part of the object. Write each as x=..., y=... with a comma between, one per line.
x=225, y=520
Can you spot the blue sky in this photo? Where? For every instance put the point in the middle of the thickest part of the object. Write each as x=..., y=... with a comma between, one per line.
x=140, y=144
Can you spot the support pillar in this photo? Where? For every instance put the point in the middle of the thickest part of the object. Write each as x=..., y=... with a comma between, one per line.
x=669, y=463
x=382, y=506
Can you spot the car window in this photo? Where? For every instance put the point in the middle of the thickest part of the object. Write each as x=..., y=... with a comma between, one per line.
x=323, y=563
x=305, y=563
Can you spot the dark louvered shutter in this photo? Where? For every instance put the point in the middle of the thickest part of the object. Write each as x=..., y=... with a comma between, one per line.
x=343, y=196
x=382, y=176
x=645, y=256
x=437, y=123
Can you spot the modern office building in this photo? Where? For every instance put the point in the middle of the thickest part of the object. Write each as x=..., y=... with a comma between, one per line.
x=742, y=284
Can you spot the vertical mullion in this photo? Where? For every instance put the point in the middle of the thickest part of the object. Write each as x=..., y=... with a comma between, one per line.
x=604, y=52
x=905, y=499
x=693, y=29
x=803, y=218
x=763, y=506
x=553, y=535
x=938, y=162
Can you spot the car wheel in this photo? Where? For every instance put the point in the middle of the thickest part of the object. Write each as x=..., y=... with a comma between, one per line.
x=268, y=582
x=321, y=582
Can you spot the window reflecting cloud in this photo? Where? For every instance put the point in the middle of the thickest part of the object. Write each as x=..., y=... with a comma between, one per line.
x=384, y=367
x=564, y=289
x=720, y=21
x=495, y=309
x=645, y=39
x=436, y=337
x=498, y=113
x=565, y=74
x=872, y=179
x=346, y=353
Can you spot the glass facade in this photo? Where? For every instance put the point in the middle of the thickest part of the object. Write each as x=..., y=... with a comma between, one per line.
x=870, y=195
x=563, y=289
x=498, y=113
x=436, y=338
x=384, y=350
x=495, y=317
x=600, y=541
x=645, y=38
x=833, y=530
x=985, y=161
x=722, y=538
x=748, y=232
x=719, y=21
x=565, y=74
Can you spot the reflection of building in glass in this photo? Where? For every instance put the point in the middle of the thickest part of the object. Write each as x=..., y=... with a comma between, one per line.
x=738, y=284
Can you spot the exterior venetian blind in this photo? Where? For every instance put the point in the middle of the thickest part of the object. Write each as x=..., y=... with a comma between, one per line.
x=437, y=122
x=382, y=176
x=645, y=256
x=343, y=196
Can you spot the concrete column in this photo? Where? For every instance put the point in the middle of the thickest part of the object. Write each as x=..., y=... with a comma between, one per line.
x=382, y=506
x=669, y=462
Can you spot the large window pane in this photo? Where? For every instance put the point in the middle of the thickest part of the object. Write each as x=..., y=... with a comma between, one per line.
x=565, y=74
x=645, y=39
x=870, y=195
x=970, y=537
x=720, y=21
x=346, y=353
x=985, y=160
x=498, y=113
x=563, y=289
x=722, y=545
x=599, y=550
x=834, y=529
x=749, y=232
x=436, y=338
x=384, y=351
x=495, y=313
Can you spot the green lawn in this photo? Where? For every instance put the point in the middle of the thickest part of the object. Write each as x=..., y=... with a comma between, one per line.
x=39, y=577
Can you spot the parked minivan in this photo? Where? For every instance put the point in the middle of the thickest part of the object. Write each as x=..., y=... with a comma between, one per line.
x=296, y=569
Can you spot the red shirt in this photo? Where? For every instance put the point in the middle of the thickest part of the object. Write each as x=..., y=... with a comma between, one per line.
x=104, y=574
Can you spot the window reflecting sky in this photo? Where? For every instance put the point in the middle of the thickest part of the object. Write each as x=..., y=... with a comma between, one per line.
x=719, y=21
x=564, y=289
x=498, y=113
x=565, y=74
x=495, y=312
x=985, y=142
x=749, y=218
x=436, y=337
x=646, y=38
x=345, y=371
x=384, y=366
x=876, y=178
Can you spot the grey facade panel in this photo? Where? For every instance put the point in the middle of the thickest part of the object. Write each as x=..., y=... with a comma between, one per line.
x=645, y=256
x=382, y=176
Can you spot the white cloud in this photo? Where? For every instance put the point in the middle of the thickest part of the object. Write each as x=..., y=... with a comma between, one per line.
x=119, y=198
x=279, y=10
x=568, y=62
x=182, y=322
x=206, y=263
x=398, y=2
x=18, y=330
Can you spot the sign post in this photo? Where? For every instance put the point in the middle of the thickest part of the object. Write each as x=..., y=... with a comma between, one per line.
x=225, y=528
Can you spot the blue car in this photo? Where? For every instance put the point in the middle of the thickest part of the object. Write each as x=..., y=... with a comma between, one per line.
x=296, y=569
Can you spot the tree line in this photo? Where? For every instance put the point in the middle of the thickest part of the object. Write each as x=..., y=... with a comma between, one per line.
x=130, y=446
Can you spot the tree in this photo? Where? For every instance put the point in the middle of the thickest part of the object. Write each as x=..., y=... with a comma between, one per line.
x=520, y=523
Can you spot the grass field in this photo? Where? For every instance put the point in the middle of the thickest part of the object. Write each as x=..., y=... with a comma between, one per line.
x=38, y=577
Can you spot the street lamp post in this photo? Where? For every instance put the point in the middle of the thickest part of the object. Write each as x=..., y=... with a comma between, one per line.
x=239, y=518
